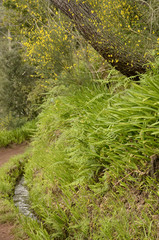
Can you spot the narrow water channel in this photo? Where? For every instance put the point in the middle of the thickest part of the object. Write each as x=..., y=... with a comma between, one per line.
x=21, y=199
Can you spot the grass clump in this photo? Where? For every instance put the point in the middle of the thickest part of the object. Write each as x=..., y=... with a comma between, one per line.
x=17, y=135
x=9, y=174
x=89, y=175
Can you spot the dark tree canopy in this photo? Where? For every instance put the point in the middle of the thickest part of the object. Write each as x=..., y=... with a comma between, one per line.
x=107, y=44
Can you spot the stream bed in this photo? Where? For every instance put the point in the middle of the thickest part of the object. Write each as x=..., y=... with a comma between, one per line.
x=21, y=199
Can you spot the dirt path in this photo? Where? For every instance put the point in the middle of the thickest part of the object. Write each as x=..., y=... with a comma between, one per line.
x=8, y=152
x=5, y=155
x=5, y=232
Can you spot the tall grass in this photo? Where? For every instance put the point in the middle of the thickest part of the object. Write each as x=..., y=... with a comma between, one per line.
x=89, y=172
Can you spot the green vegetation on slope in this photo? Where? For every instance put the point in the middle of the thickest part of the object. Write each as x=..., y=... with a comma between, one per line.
x=89, y=174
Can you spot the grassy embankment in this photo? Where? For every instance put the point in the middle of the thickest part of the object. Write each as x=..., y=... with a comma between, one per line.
x=90, y=171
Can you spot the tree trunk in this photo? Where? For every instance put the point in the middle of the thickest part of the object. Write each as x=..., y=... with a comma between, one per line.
x=111, y=47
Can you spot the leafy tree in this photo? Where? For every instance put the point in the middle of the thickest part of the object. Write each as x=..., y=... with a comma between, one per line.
x=16, y=84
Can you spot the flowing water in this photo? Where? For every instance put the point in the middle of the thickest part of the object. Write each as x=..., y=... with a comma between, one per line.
x=21, y=199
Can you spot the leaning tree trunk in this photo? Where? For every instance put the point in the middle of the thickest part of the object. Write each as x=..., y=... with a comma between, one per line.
x=111, y=47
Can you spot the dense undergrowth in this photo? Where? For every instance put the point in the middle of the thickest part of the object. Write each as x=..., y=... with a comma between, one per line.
x=90, y=171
